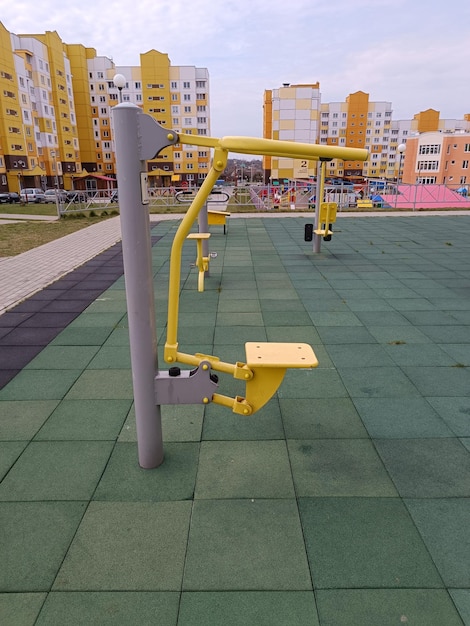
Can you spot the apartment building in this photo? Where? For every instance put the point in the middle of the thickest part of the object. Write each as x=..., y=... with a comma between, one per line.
x=295, y=111
x=55, y=112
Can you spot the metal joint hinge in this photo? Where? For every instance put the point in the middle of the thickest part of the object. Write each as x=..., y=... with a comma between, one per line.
x=177, y=386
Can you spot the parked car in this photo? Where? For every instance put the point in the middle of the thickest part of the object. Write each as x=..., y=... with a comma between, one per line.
x=14, y=197
x=76, y=196
x=32, y=194
x=9, y=197
x=52, y=195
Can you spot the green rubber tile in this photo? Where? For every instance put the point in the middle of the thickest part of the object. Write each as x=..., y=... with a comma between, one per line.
x=387, y=607
x=294, y=334
x=127, y=546
x=240, y=319
x=111, y=357
x=9, y=453
x=364, y=542
x=102, y=384
x=110, y=608
x=447, y=334
x=118, y=337
x=312, y=383
x=359, y=355
x=286, y=318
x=21, y=419
x=410, y=304
x=425, y=355
x=20, y=609
x=338, y=467
x=461, y=598
x=56, y=470
x=222, y=424
x=76, y=336
x=345, y=334
x=246, y=545
x=465, y=441
x=239, y=306
x=226, y=295
x=86, y=420
x=373, y=382
x=281, y=305
x=460, y=353
x=334, y=318
x=244, y=469
x=190, y=317
x=275, y=293
x=240, y=608
x=34, y=539
x=195, y=334
x=322, y=418
x=430, y=318
x=427, y=468
x=97, y=320
x=356, y=303
x=394, y=334
x=40, y=385
x=124, y=480
x=386, y=318
x=443, y=525
x=440, y=381
x=401, y=418
x=238, y=334
x=63, y=357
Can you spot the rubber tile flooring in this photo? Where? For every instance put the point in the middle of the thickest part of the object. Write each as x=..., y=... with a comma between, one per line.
x=344, y=501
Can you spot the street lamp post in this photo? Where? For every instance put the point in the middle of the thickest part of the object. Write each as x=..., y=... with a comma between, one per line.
x=119, y=81
x=400, y=149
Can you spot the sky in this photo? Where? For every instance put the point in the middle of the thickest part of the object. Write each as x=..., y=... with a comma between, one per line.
x=412, y=53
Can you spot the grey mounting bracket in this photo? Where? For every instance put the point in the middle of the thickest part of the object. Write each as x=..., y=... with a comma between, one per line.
x=153, y=137
x=177, y=386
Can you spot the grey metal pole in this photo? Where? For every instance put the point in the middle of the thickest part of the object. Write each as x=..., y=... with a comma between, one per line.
x=136, y=247
x=318, y=201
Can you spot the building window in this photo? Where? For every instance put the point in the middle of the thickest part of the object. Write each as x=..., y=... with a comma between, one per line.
x=187, y=97
x=186, y=85
x=465, y=165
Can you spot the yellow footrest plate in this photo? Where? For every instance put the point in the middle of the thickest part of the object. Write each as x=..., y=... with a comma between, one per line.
x=283, y=355
x=198, y=236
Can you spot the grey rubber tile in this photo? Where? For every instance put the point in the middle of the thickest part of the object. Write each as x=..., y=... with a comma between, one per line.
x=111, y=608
x=338, y=467
x=239, y=608
x=440, y=381
x=127, y=546
x=34, y=539
x=387, y=607
x=427, y=468
x=359, y=355
x=246, y=545
x=358, y=543
x=443, y=524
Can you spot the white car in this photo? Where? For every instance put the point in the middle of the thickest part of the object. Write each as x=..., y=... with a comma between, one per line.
x=52, y=195
x=32, y=194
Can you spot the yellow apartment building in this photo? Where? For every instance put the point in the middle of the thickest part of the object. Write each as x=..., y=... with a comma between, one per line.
x=55, y=112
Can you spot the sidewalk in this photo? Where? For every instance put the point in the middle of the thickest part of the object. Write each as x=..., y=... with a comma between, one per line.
x=344, y=502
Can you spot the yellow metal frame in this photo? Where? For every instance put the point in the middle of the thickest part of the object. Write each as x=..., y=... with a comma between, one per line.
x=266, y=363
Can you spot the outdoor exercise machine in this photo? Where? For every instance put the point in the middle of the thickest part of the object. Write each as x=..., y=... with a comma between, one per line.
x=139, y=138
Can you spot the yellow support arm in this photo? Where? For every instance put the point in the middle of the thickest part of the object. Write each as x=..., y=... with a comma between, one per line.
x=266, y=363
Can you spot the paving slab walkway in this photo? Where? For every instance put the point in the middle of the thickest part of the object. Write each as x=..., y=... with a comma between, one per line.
x=344, y=501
